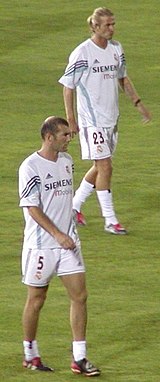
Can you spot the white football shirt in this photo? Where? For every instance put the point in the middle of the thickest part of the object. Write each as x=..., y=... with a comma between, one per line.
x=94, y=72
x=48, y=185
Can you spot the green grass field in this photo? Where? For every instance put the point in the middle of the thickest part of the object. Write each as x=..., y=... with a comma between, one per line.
x=122, y=272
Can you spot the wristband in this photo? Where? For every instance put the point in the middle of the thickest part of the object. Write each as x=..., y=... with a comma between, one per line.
x=137, y=102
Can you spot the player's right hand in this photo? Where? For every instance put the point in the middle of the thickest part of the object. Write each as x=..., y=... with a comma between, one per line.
x=146, y=115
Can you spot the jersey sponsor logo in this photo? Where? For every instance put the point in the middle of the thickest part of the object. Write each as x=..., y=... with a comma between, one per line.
x=104, y=68
x=62, y=192
x=58, y=184
x=108, y=76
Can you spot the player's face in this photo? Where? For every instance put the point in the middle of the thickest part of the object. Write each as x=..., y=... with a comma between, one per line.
x=106, y=26
x=62, y=138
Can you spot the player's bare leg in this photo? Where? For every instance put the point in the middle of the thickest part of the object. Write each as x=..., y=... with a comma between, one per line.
x=35, y=300
x=104, y=173
x=91, y=175
x=76, y=287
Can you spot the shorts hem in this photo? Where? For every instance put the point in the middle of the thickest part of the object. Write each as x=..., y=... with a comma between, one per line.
x=104, y=157
x=35, y=285
x=70, y=273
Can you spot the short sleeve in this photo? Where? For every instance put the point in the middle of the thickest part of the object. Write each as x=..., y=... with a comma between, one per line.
x=76, y=66
x=29, y=186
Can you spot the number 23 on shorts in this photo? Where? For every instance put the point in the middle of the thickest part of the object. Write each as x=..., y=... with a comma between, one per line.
x=98, y=138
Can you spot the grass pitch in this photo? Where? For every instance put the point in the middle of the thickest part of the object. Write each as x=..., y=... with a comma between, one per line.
x=122, y=272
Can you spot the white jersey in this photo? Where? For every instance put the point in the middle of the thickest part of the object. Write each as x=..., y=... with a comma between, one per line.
x=48, y=185
x=94, y=72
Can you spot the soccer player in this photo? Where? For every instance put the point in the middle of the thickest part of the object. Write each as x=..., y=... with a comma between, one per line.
x=96, y=69
x=51, y=243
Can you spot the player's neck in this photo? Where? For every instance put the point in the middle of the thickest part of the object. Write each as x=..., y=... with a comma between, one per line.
x=100, y=41
x=48, y=154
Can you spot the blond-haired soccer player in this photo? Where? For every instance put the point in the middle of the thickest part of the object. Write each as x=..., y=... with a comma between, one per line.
x=96, y=69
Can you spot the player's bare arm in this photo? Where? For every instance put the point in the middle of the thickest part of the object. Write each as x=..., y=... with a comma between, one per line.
x=38, y=215
x=69, y=107
x=130, y=91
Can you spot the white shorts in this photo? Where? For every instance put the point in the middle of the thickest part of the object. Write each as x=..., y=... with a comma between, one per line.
x=98, y=143
x=39, y=266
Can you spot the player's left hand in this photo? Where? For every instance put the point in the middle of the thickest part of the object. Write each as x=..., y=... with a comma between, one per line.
x=146, y=115
x=65, y=240
x=74, y=129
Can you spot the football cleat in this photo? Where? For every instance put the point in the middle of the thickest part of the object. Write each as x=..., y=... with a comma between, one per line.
x=36, y=364
x=116, y=229
x=84, y=367
x=79, y=218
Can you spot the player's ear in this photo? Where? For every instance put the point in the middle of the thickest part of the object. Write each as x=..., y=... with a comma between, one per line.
x=49, y=137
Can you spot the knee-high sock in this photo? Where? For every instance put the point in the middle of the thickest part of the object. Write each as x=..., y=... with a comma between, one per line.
x=106, y=203
x=85, y=189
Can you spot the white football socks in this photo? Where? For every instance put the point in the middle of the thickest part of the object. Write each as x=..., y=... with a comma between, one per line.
x=82, y=193
x=106, y=203
x=79, y=350
x=30, y=350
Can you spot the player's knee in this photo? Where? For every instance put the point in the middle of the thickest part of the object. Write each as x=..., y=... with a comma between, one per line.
x=104, y=166
x=37, y=302
x=81, y=297
x=106, y=170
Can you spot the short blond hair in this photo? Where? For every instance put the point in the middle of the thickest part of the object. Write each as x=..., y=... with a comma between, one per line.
x=94, y=19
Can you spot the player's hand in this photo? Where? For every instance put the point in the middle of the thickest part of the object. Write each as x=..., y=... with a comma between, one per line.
x=74, y=131
x=65, y=240
x=73, y=128
x=146, y=116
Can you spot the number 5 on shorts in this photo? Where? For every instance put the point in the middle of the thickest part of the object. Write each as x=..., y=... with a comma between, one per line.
x=40, y=263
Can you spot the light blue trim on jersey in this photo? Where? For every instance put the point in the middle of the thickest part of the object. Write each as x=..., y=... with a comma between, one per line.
x=90, y=108
x=77, y=67
x=39, y=237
